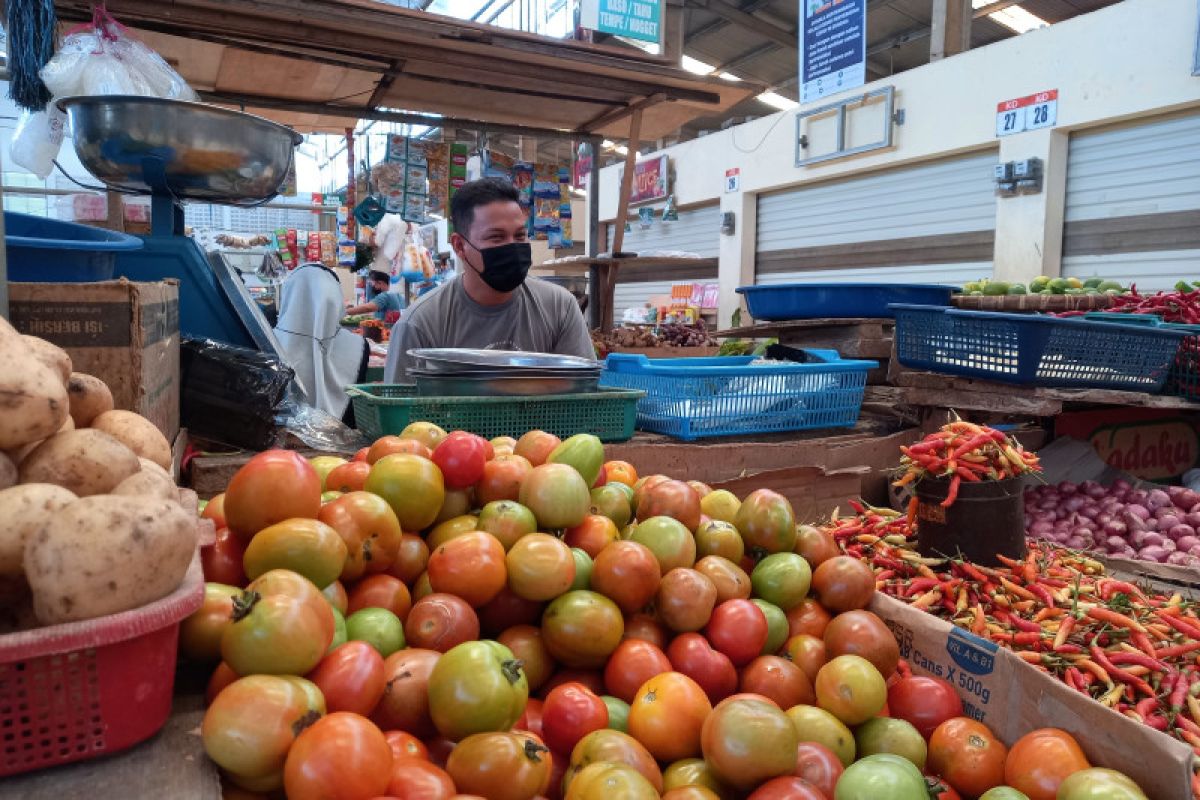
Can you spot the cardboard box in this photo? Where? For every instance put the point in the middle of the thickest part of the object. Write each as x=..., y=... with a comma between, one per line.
x=1013, y=698
x=813, y=492
x=125, y=333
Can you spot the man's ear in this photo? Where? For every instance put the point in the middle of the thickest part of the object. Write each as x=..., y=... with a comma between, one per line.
x=456, y=244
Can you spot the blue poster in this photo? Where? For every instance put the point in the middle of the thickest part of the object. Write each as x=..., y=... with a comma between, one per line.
x=833, y=47
x=634, y=19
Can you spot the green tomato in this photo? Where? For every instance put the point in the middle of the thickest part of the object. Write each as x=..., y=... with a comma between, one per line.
x=477, y=687
x=611, y=501
x=1098, y=783
x=1003, y=793
x=782, y=579
x=895, y=736
x=583, y=569
x=777, y=627
x=618, y=713
x=378, y=627
x=881, y=776
x=814, y=724
x=340, y=634
x=584, y=452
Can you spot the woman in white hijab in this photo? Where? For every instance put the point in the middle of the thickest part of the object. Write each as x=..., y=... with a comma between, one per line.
x=326, y=357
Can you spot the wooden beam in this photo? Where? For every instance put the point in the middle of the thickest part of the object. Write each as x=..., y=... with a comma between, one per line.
x=620, y=113
x=610, y=273
x=673, y=33
x=950, y=29
x=385, y=82
x=362, y=112
x=732, y=13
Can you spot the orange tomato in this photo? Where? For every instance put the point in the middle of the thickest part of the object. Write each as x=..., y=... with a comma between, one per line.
x=536, y=446
x=595, y=533
x=620, y=472
x=1039, y=761
x=349, y=477
x=272, y=486
x=608, y=745
x=416, y=779
x=809, y=617
x=807, y=653
x=667, y=715
x=470, y=566
x=342, y=755
x=412, y=554
x=405, y=745
x=387, y=445
x=540, y=567
x=502, y=479
x=368, y=526
x=505, y=766
x=967, y=756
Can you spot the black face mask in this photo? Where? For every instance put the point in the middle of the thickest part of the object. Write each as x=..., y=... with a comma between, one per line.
x=505, y=266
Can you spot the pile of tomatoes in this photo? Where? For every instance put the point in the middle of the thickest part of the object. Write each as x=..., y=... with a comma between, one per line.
x=444, y=616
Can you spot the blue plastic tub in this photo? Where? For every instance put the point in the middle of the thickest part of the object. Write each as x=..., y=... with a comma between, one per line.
x=691, y=398
x=1035, y=350
x=44, y=250
x=812, y=300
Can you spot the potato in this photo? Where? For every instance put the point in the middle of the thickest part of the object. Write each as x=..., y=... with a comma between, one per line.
x=105, y=554
x=51, y=355
x=137, y=433
x=90, y=397
x=8, y=472
x=150, y=466
x=87, y=462
x=25, y=509
x=33, y=401
x=148, y=483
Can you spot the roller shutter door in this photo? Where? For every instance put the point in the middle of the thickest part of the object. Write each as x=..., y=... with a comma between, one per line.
x=1133, y=203
x=931, y=223
x=697, y=231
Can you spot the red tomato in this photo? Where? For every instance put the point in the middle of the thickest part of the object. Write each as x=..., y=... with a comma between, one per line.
x=405, y=745
x=215, y=510
x=222, y=676
x=340, y=756
x=415, y=779
x=595, y=533
x=222, y=560
x=526, y=643
x=788, y=788
x=405, y=702
x=389, y=445
x=673, y=499
x=536, y=446
x=628, y=574
x=738, y=628
x=632, y=664
x=646, y=628
x=369, y=528
x=940, y=789
x=923, y=702
x=570, y=712
x=380, y=591
x=531, y=720
x=412, y=555
x=972, y=760
x=843, y=583
x=351, y=477
x=470, y=566
x=667, y=714
x=691, y=654
x=439, y=622
x=778, y=679
x=351, y=678
x=361, y=454
x=593, y=680
x=502, y=479
x=808, y=618
x=271, y=487
x=461, y=458
x=861, y=633
x=506, y=610
x=818, y=765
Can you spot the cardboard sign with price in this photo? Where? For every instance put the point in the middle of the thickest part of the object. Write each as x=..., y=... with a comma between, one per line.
x=1027, y=113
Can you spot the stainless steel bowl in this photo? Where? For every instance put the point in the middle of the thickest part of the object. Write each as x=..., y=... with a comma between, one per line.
x=191, y=150
x=438, y=385
x=451, y=359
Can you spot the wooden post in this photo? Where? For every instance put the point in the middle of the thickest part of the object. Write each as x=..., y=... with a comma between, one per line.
x=610, y=287
x=673, y=33
x=351, y=187
x=950, y=28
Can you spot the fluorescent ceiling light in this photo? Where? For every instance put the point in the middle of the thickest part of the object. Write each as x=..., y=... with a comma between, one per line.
x=776, y=100
x=696, y=66
x=608, y=144
x=728, y=76
x=622, y=149
x=1014, y=17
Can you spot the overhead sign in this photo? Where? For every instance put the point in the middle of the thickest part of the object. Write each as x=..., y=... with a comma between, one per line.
x=833, y=47
x=651, y=180
x=633, y=19
x=1027, y=113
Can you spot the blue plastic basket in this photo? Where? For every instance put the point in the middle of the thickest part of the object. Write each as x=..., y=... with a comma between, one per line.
x=692, y=398
x=42, y=250
x=1035, y=350
x=786, y=301
x=1184, y=378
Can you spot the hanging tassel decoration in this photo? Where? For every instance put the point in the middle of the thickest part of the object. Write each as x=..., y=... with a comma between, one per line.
x=30, y=25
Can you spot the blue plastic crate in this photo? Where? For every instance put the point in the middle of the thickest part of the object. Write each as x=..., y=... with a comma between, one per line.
x=1035, y=350
x=42, y=250
x=784, y=301
x=691, y=398
x=1184, y=378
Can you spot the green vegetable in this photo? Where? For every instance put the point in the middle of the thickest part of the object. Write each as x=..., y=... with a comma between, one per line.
x=1017, y=288
x=995, y=288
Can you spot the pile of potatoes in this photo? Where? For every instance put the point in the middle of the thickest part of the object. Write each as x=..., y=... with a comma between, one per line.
x=90, y=520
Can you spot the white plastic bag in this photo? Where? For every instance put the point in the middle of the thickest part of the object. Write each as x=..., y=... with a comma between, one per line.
x=37, y=140
x=63, y=74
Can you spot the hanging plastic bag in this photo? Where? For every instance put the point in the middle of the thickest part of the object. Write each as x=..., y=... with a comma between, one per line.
x=38, y=139
x=63, y=74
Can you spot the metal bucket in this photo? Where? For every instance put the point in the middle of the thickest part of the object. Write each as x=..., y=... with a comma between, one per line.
x=987, y=518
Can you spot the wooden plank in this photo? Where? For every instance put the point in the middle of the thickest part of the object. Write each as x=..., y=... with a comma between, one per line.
x=1033, y=302
x=1015, y=404
x=847, y=346
x=948, y=248
x=610, y=272
x=867, y=325
x=950, y=26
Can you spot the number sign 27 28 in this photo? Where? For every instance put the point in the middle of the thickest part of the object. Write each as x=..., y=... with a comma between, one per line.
x=1027, y=113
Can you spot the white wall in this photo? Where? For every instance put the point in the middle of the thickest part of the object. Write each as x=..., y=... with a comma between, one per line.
x=1129, y=60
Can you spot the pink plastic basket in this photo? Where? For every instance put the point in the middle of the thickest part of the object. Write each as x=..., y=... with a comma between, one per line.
x=85, y=689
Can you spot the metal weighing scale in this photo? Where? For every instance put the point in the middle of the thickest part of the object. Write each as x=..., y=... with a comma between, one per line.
x=176, y=151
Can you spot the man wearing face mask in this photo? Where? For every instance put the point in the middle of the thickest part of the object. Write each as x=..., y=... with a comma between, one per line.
x=492, y=304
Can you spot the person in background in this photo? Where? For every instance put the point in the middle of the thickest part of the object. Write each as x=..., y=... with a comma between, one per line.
x=326, y=357
x=493, y=304
x=381, y=301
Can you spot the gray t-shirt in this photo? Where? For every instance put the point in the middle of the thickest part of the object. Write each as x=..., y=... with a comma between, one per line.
x=539, y=318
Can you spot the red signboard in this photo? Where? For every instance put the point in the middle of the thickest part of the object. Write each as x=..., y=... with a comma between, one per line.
x=651, y=180
x=1153, y=444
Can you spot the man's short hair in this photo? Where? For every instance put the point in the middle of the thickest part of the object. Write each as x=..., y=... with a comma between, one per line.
x=479, y=193
x=376, y=276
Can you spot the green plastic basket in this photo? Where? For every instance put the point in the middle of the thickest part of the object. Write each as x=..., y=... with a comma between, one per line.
x=383, y=408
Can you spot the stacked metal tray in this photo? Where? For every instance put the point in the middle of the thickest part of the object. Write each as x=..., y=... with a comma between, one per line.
x=458, y=372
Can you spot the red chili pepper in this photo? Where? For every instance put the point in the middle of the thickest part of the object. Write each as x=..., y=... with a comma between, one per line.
x=1181, y=626
x=1042, y=594
x=1118, y=674
x=1179, y=692
x=952, y=495
x=1177, y=650
x=1138, y=659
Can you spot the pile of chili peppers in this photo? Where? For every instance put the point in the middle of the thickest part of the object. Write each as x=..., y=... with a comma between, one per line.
x=1132, y=649
x=963, y=451
x=1174, y=306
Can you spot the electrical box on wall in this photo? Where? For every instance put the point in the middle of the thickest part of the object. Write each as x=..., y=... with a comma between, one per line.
x=1018, y=177
x=727, y=225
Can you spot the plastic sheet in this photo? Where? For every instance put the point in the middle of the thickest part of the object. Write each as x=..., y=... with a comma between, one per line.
x=37, y=140
x=231, y=394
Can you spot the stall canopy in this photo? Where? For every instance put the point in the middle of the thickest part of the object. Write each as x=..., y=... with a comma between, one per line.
x=321, y=65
